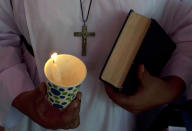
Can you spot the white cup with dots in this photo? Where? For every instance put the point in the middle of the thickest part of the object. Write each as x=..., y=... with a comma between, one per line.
x=65, y=74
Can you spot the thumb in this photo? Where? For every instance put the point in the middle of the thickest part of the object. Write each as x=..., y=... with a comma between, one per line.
x=75, y=104
x=142, y=74
x=119, y=98
x=41, y=92
x=43, y=89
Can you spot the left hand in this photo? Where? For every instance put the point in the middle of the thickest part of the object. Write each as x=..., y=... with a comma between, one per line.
x=35, y=105
x=152, y=92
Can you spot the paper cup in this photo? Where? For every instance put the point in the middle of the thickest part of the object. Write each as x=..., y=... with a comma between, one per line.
x=64, y=77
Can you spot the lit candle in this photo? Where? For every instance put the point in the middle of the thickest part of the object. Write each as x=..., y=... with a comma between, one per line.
x=65, y=73
x=54, y=57
x=65, y=70
x=55, y=70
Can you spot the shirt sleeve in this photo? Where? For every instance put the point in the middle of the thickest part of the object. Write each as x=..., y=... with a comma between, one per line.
x=14, y=77
x=177, y=21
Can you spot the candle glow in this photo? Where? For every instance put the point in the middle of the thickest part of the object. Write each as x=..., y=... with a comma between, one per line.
x=54, y=57
x=67, y=70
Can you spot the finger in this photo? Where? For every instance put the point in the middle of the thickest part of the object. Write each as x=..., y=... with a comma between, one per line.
x=127, y=102
x=118, y=98
x=143, y=75
x=73, y=124
x=43, y=106
x=43, y=88
x=73, y=108
x=140, y=72
x=75, y=104
x=76, y=123
x=40, y=93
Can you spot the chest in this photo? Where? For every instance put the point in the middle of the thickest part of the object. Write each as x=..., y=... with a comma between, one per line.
x=49, y=26
x=53, y=15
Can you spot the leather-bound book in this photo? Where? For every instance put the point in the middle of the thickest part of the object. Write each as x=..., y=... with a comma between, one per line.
x=140, y=41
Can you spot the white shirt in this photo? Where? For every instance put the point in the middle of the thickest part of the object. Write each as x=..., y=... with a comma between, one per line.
x=49, y=25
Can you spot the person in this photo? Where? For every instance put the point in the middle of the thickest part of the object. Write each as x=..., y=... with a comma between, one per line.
x=48, y=26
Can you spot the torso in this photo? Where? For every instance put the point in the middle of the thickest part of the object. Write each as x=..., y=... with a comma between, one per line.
x=49, y=25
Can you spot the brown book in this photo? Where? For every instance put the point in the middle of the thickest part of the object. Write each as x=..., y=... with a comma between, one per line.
x=140, y=41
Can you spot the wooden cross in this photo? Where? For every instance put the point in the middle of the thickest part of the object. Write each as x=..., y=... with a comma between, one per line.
x=84, y=34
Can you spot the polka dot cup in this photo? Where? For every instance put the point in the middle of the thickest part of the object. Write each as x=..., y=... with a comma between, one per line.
x=65, y=76
x=59, y=96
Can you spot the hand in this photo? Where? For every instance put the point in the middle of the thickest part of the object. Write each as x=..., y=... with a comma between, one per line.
x=35, y=105
x=2, y=129
x=152, y=92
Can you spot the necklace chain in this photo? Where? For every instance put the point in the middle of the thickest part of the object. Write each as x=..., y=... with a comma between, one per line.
x=82, y=13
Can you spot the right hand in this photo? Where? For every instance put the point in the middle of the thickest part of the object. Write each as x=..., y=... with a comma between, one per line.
x=2, y=128
x=35, y=105
x=152, y=92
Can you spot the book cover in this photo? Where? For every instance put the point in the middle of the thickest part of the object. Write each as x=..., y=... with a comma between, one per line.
x=140, y=41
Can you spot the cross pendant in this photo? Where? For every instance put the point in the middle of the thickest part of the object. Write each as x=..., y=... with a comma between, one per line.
x=84, y=34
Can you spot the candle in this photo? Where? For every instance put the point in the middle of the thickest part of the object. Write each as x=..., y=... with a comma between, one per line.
x=54, y=57
x=55, y=70
x=65, y=73
x=65, y=70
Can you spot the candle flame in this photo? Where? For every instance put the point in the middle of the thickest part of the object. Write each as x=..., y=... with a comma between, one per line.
x=54, y=56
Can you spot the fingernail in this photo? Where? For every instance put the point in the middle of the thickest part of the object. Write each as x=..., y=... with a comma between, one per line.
x=79, y=97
